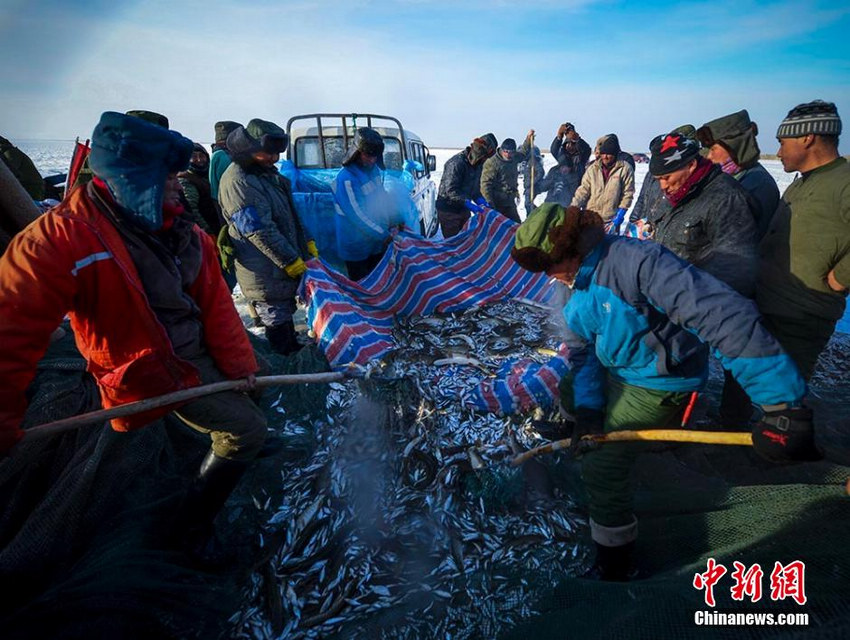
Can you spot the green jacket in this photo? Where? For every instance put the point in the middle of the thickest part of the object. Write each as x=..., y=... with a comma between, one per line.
x=23, y=169
x=809, y=236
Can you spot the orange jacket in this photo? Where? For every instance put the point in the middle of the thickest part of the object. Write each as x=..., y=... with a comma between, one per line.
x=73, y=261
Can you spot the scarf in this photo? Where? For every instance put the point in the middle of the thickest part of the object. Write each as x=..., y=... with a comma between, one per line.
x=703, y=168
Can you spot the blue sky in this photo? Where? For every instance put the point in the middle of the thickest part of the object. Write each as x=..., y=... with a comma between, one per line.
x=448, y=70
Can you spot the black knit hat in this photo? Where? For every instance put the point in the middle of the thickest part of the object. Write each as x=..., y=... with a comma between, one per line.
x=223, y=129
x=817, y=117
x=508, y=144
x=670, y=152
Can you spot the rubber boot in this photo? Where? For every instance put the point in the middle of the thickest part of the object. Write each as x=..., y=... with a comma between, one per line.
x=613, y=564
x=282, y=338
x=215, y=481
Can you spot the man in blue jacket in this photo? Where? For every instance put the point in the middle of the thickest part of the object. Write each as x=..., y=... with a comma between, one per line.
x=641, y=321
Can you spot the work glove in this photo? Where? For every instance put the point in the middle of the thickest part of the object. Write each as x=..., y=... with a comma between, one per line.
x=562, y=130
x=588, y=422
x=295, y=269
x=617, y=221
x=312, y=249
x=226, y=252
x=786, y=435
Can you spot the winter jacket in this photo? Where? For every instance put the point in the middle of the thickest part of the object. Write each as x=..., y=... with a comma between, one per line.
x=73, y=261
x=642, y=314
x=764, y=194
x=460, y=182
x=200, y=205
x=560, y=184
x=500, y=180
x=605, y=197
x=22, y=168
x=714, y=229
x=578, y=161
x=264, y=229
x=219, y=162
x=809, y=236
x=364, y=212
x=651, y=204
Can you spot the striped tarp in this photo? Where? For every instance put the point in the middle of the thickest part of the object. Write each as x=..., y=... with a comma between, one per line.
x=353, y=321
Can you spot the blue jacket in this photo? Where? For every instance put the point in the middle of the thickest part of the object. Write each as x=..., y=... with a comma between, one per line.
x=643, y=314
x=364, y=212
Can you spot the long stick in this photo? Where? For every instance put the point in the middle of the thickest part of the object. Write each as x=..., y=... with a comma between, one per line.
x=533, y=162
x=66, y=424
x=740, y=438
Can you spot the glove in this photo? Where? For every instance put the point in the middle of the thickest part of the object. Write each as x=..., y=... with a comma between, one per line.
x=295, y=269
x=786, y=435
x=588, y=422
x=226, y=252
x=562, y=130
x=617, y=221
x=312, y=249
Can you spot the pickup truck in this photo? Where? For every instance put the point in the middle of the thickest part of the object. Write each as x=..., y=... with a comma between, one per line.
x=317, y=146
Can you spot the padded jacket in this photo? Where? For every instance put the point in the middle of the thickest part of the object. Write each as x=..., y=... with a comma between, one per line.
x=646, y=316
x=73, y=261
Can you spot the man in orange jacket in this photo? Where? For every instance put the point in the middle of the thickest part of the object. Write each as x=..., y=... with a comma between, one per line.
x=149, y=309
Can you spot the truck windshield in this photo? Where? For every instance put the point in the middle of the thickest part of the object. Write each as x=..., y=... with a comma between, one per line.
x=308, y=153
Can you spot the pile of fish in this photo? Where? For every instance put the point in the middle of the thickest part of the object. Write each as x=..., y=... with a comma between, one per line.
x=407, y=520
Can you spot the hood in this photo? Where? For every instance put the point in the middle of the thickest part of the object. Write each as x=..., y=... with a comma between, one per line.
x=737, y=133
x=134, y=157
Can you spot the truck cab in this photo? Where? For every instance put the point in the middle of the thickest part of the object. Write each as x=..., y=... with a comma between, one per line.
x=317, y=147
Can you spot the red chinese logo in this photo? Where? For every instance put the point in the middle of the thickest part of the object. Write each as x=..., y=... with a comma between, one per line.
x=786, y=581
x=708, y=579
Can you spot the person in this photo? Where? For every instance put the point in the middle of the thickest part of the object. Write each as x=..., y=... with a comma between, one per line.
x=150, y=312
x=804, y=259
x=269, y=242
x=711, y=225
x=461, y=181
x=651, y=203
x=23, y=168
x=570, y=149
x=731, y=143
x=197, y=198
x=640, y=321
x=365, y=211
x=500, y=177
x=608, y=186
x=532, y=186
x=220, y=159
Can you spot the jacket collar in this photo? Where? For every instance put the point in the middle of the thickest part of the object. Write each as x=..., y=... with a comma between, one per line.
x=588, y=265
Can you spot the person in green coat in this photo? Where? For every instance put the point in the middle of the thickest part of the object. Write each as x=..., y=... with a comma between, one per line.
x=22, y=168
x=804, y=259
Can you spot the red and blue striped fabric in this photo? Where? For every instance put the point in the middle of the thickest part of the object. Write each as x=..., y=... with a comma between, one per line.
x=353, y=321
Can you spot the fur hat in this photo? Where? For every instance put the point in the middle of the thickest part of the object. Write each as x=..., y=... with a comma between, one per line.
x=259, y=135
x=736, y=133
x=482, y=148
x=150, y=116
x=366, y=140
x=610, y=145
x=223, y=128
x=817, y=117
x=552, y=234
x=134, y=157
x=670, y=152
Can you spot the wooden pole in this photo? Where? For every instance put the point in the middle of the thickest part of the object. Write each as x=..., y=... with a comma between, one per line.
x=739, y=438
x=67, y=424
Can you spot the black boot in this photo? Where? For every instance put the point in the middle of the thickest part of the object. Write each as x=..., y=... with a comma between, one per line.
x=614, y=564
x=215, y=481
x=282, y=338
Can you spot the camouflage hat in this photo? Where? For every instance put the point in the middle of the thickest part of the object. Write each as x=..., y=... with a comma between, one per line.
x=150, y=116
x=223, y=129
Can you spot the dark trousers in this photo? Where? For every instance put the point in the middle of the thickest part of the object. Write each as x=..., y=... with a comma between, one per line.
x=451, y=222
